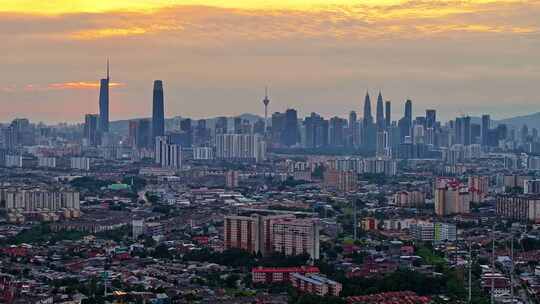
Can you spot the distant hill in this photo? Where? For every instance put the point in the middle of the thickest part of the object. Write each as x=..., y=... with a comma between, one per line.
x=531, y=120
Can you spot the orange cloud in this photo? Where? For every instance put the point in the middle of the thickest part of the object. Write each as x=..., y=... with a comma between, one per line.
x=79, y=85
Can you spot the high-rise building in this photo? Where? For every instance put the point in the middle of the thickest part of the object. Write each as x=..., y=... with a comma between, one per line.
x=251, y=233
x=316, y=130
x=383, y=144
x=431, y=118
x=388, y=113
x=405, y=123
x=91, y=129
x=462, y=130
x=342, y=181
x=380, y=112
x=240, y=147
x=525, y=208
x=166, y=154
x=291, y=236
x=143, y=134
x=478, y=188
x=80, y=163
x=290, y=134
x=369, y=130
x=354, y=135
x=337, y=131
x=451, y=197
x=158, y=111
x=104, y=103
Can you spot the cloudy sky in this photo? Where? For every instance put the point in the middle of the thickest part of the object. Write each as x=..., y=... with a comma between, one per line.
x=216, y=56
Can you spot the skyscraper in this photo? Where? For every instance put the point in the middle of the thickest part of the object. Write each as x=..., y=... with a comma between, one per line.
x=104, y=103
x=369, y=132
x=368, y=118
x=380, y=112
x=91, y=129
x=431, y=118
x=405, y=124
x=486, y=122
x=290, y=135
x=158, y=112
x=388, y=113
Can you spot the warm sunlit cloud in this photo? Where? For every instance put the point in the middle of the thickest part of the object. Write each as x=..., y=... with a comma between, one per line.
x=78, y=85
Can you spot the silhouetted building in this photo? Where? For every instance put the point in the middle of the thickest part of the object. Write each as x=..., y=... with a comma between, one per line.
x=104, y=103
x=91, y=129
x=158, y=111
x=388, y=113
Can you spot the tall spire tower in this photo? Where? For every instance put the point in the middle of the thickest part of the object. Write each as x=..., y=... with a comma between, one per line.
x=367, y=109
x=266, y=102
x=104, y=103
x=380, y=112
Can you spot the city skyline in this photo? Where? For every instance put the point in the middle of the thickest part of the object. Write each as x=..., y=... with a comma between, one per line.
x=319, y=57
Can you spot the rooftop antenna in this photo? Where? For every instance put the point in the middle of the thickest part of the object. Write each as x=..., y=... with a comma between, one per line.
x=108, y=69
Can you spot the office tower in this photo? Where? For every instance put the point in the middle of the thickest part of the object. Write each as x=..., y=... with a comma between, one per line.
x=316, y=130
x=405, y=123
x=186, y=129
x=143, y=134
x=104, y=103
x=476, y=133
x=368, y=128
x=278, y=125
x=221, y=126
x=158, y=111
x=463, y=130
x=431, y=118
x=367, y=109
x=337, y=127
x=354, y=130
x=408, y=110
x=237, y=125
x=383, y=144
x=167, y=155
x=259, y=127
x=388, y=113
x=290, y=135
x=524, y=134
x=202, y=133
x=91, y=129
x=486, y=125
x=451, y=197
x=266, y=102
x=380, y=112
x=240, y=147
